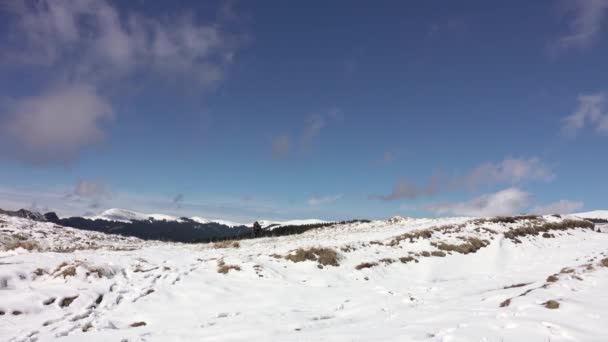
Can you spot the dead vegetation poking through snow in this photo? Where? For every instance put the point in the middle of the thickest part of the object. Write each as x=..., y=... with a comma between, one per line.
x=539, y=226
x=224, y=268
x=16, y=241
x=322, y=255
x=366, y=265
x=227, y=244
x=65, y=270
x=471, y=245
x=551, y=304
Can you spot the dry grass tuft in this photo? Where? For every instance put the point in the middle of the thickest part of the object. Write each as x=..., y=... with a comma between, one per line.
x=505, y=303
x=39, y=272
x=551, y=304
x=69, y=271
x=438, y=254
x=387, y=261
x=537, y=228
x=366, y=265
x=552, y=279
x=224, y=268
x=227, y=244
x=604, y=262
x=66, y=301
x=420, y=234
x=324, y=256
x=17, y=242
x=471, y=245
x=347, y=248
x=407, y=259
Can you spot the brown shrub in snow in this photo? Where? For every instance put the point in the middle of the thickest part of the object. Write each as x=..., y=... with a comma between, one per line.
x=471, y=245
x=604, y=262
x=322, y=255
x=419, y=234
x=552, y=279
x=407, y=259
x=551, y=304
x=366, y=265
x=66, y=301
x=387, y=261
x=537, y=228
x=227, y=244
x=15, y=243
x=224, y=268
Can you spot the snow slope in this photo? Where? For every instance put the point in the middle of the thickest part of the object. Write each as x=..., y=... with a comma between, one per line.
x=125, y=289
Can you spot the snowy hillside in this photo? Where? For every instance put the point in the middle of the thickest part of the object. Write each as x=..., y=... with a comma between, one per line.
x=596, y=214
x=124, y=215
x=402, y=279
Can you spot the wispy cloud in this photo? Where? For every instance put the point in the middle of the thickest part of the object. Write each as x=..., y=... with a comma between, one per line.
x=324, y=200
x=317, y=122
x=283, y=144
x=506, y=202
x=510, y=171
x=559, y=207
x=178, y=200
x=592, y=110
x=586, y=18
x=404, y=189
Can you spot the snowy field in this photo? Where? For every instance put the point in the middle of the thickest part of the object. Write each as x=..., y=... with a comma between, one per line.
x=453, y=279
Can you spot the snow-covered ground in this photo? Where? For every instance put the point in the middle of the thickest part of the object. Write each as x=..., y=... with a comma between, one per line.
x=76, y=285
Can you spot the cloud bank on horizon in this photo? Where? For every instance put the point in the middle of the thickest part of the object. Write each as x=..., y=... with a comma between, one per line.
x=244, y=112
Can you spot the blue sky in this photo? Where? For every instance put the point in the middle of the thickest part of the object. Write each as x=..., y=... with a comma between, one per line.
x=246, y=110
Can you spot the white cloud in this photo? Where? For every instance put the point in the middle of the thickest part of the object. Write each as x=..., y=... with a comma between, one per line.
x=560, y=207
x=56, y=125
x=587, y=17
x=506, y=202
x=592, y=110
x=324, y=200
x=510, y=171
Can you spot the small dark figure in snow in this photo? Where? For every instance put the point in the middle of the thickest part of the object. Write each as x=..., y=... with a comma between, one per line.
x=257, y=229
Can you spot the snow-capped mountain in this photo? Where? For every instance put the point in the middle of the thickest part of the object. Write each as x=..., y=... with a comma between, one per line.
x=125, y=215
x=596, y=214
